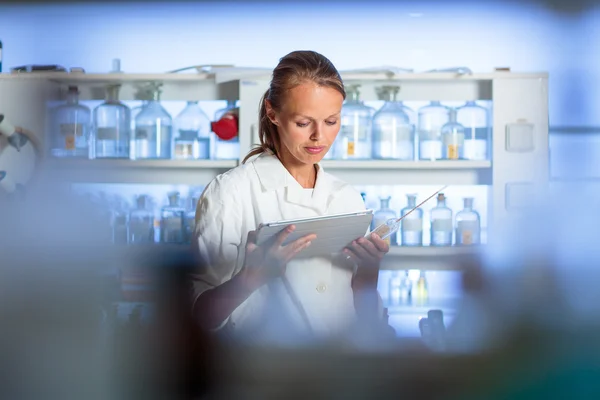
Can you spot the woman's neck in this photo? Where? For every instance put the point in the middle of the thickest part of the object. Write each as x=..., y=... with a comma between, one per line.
x=304, y=174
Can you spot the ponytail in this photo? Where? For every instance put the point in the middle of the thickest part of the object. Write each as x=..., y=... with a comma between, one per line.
x=267, y=132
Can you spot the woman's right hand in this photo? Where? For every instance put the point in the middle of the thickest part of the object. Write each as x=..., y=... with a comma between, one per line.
x=268, y=261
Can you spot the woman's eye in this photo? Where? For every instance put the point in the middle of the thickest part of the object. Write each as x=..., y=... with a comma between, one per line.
x=331, y=122
x=301, y=124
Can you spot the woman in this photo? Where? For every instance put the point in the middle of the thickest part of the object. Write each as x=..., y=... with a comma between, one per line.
x=299, y=121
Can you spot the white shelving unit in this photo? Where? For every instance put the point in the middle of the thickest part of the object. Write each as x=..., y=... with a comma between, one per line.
x=518, y=165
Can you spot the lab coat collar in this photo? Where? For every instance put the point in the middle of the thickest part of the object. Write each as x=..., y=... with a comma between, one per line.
x=273, y=176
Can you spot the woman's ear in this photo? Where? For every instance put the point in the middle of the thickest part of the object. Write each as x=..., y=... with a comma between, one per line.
x=271, y=113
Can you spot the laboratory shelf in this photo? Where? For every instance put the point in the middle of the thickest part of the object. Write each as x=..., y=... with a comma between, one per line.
x=390, y=172
x=184, y=172
x=450, y=258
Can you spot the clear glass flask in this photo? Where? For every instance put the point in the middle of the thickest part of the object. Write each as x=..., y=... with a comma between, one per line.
x=468, y=225
x=441, y=223
x=226, y=149
x=354, y=138
x=112, y=127
x=478, y=131
x=393, y=135
x=453, y=137
x=153, y=135
x=172, y=229
x=141, y=222
x=431, y=119
x=382, y=216
x=394, y=283
x=71, y=127
x=192, y=133
x=411, y=233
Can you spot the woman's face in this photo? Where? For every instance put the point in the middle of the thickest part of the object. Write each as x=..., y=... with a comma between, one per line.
x=308, y=122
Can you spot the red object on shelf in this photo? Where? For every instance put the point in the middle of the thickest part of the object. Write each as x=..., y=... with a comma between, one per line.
x=226, y=128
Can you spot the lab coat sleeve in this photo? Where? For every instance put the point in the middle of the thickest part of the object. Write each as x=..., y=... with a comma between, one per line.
x=217, y=235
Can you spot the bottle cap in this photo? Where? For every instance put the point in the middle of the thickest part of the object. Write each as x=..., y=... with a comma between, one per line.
x=226, y=128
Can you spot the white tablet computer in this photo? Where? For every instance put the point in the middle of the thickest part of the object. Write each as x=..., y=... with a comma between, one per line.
x=334, y=232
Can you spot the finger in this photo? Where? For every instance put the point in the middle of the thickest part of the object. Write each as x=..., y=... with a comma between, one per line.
x=369, y=247
x=379, y=243
x=251, y=237
x=350, y=254
x=299, y=244
x=360, y=251
x=281, y=236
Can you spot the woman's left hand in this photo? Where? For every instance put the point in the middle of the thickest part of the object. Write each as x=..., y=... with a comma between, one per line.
x=367, y=253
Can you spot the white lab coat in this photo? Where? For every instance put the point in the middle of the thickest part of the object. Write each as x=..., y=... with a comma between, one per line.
x=262, y=190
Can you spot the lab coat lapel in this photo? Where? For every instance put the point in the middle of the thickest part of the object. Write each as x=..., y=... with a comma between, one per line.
x=274, y=176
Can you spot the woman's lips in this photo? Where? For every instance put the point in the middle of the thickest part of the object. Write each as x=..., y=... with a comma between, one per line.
x=315, y=150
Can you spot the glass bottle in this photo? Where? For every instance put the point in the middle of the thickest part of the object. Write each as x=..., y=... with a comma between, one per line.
x=120, y=222
x=71, y=127
x=112, y=126
x=192, y=133
x=476, y=121
x=431, y=119
x=141, y=222
x=453, y=137
x=441, y=223
x=354, y=138
x=406, y=289
x=226, y=149
x=190, y=219
x=421, y=291
x=393, y=135
x=172, y=228
x=153, y=137
x=144, y=94
x=468, y=225
x=394, y=296
x=382, y=215
x=412, y=225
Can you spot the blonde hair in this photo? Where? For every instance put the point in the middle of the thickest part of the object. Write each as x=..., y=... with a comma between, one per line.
x=293, y=69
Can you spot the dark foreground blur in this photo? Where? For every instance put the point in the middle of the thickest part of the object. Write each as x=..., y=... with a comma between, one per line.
x=528, y=327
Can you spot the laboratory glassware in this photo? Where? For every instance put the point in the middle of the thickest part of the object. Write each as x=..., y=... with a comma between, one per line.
x=478, y=131
x=441, y=223
x=354, y=139
x=468, y=225
x=393, y=134
x=71, y=127
x=431, y=119
x=112, y=127
x=453, y=137
x=192, y=133
x=141, y=222
x=153, y=136
x=172, y=229
x=385, y=213
x=411, y=233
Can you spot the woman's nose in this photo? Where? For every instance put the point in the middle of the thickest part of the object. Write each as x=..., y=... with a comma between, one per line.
x=317, y=132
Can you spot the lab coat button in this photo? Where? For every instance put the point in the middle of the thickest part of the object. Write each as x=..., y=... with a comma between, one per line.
x=321, y=287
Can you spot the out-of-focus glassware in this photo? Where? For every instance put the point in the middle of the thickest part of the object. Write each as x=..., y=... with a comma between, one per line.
x=192, y=133
x=431, y=119
x=421, y=292
x=468, y=225
x=441, y=223
x=453, y=136
x=412, y=224
x=172, y=229
x=382, y=215
x=400, y=289
x=112, y=127
x=393, y=135
x=478, y=131
x=394, y=288
x=71, y=127
x=120, y=221
x=190, y=219
x=153, y=136
x=354, y=138
x=141, y=222
x=226, y=149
